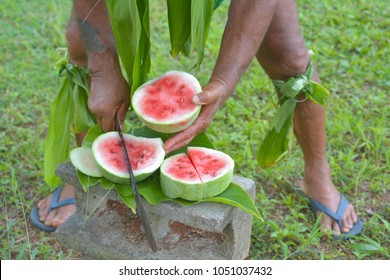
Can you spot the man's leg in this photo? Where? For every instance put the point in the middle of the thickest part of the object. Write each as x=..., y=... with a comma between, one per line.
x=78, y=56
x=282, y=55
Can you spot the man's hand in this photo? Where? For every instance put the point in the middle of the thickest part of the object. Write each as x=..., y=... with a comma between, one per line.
x=109, y=94
x=212, y=98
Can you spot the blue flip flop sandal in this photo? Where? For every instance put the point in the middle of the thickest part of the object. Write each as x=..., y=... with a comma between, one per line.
x=55, y=203
x=317, y=206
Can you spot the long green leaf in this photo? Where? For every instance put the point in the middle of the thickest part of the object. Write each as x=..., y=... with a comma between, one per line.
x=201, y=13
x=83, y=118
x=58, y=134
x=274, y=146
x=283, y=113
x=130, y=24
x=179, y=19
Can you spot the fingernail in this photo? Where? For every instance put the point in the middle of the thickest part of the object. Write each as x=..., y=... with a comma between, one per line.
x=196, y=100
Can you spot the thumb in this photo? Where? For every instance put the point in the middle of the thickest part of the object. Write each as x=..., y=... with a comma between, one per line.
x=205, y=97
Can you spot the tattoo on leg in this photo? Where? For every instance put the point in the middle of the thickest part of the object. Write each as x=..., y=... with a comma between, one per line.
x=90, y=37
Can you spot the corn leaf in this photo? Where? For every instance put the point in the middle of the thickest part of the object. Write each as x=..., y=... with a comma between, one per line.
x=58, y=134
x=179, y=19
x=283, y=113
x=275, y=145
x=201, y=13
x=83, y=118
x=130, y=24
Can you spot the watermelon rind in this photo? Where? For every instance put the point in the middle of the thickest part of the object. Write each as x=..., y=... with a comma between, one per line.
x=122, y=176
x=83, y=160
x=173, y=124
x=196, y=191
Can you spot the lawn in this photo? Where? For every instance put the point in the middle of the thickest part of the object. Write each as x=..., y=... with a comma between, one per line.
x=351, y=43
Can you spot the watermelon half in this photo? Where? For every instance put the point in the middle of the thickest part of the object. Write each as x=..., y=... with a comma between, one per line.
x=165, y=104
x=146, y=156
x=200, y=174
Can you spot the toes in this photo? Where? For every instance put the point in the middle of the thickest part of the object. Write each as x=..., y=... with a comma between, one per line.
x=43, y=212
x=50, y=218
x=58, y=216
x=336, y=228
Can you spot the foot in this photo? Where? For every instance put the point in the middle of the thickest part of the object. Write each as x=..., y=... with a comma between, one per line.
x=57, y=216
x=318, y=185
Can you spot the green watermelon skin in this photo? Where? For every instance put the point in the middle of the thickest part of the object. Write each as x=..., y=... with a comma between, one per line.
x=195, y=190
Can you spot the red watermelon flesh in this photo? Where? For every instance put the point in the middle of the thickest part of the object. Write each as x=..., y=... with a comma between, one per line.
x=141, y=154
x=199, y=174
x=207, y=166
x=198, y=165
x=181, y=167
x=167, y=97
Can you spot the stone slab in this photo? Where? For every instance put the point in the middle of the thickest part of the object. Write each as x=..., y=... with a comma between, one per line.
x=103, y=227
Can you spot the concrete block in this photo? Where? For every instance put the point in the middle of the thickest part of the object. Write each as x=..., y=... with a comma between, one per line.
x=103, y=227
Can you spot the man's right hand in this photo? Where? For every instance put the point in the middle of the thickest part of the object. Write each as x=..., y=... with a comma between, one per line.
x=109, y=94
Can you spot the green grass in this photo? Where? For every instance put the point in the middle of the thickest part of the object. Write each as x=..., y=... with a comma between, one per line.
x=350, y=39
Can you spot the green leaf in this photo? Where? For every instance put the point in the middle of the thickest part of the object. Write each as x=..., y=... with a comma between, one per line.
x=150, y=189
x=58, y=134
x=202, y=140
x=179, y=19
x=93, y=133
x=83, y=118
x=129, y=201
x=123, y=189
x=145, y=131
x=87, y=181
x=234, y=195
x=106, y=184
x=201, y=13
x=130, y=25
x=274, y=146
x=319, y=94
x=285, y=111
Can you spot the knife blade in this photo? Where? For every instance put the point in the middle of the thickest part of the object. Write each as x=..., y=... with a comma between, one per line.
x=138, y=202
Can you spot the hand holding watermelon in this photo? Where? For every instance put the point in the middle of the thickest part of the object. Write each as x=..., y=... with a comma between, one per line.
x=212, y=97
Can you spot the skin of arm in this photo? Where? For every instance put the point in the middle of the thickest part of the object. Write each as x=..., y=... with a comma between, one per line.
x=109, y=91
x=247, y=24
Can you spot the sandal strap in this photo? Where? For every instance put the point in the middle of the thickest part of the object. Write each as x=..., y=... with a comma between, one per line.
x=55, y=203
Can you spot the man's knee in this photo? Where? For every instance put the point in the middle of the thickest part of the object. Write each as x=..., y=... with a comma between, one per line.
x=282, y=59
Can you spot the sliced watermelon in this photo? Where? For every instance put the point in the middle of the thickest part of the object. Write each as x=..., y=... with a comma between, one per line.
x=83, y=160
x=201, y=174
x=165, y=104
x=145, y=154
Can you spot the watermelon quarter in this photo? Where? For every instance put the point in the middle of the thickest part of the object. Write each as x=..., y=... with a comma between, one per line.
x=165, y=104
x=145, y=154
x=197, y=175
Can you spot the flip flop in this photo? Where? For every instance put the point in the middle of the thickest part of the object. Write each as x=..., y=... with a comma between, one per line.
x=317, y=206
x=55, y=203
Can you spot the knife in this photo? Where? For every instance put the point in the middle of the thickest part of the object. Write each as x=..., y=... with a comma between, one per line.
x=138, y=202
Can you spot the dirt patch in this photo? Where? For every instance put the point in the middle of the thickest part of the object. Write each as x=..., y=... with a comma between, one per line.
x=181, y=233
